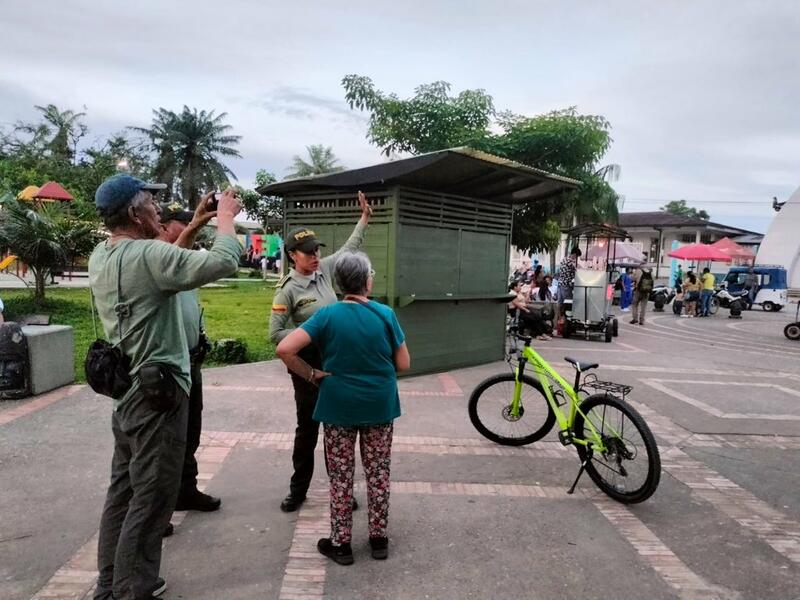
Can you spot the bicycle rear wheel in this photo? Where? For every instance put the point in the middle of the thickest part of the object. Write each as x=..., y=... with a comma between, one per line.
x=630, y=468
x=490, y=411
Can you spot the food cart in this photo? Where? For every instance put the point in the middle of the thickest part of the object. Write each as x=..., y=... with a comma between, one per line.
x=590, y=310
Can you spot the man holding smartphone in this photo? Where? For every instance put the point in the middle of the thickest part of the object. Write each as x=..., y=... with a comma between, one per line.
x=180, y=228
x=135, y=279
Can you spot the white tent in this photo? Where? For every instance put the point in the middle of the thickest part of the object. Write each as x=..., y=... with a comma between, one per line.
x=781, y=245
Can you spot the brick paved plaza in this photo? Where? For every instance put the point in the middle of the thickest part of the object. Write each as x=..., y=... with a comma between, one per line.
x=469, y=519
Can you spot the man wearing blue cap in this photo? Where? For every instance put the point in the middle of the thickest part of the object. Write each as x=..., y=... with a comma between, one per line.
x=135, y=279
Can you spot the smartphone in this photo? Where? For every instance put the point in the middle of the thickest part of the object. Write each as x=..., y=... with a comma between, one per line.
x=213, y=203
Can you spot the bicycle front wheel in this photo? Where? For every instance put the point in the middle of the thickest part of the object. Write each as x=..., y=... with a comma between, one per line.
x=491, y=413
x=629, y=468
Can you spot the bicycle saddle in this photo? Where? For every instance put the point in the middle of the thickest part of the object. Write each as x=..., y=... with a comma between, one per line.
x=581, y=366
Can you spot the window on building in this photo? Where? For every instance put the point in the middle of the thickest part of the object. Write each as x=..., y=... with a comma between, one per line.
x=706, y=238
x=688, y=238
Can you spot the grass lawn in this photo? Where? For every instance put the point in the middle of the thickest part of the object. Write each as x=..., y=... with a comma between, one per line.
x=238, y=310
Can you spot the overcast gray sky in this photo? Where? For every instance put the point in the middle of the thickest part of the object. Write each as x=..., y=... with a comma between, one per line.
x=702, y=96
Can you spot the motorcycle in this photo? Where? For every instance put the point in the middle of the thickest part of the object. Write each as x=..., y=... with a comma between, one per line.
x=661, y=296
x=735, y=301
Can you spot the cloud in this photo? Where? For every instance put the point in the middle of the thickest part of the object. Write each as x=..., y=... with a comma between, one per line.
x=300, y=103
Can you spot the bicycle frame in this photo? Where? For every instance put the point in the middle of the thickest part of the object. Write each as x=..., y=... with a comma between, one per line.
x=545, y=373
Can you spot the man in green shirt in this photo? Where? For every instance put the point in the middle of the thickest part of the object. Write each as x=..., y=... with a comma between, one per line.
x=181, y=227
x=135, y=280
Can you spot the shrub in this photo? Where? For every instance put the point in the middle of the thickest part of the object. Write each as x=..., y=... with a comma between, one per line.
x=228, y=351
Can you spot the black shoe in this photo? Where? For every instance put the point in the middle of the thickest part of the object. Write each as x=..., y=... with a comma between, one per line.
x=342, y=555
x=168, y=530
x=355, y=504
x=159, y=588
x=197, y=500
x=291, y=503
x=634, y=322
x=380, y=547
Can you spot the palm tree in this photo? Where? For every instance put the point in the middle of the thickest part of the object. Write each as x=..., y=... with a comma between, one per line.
x=321, y=160
x=33, y=237
x=188, y=148
x=68, y=130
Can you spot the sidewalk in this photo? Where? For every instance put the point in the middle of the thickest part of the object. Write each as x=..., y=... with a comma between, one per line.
x=468, y=519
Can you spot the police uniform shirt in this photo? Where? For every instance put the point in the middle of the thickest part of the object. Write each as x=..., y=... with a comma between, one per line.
x=300, y=296
x=190, y=312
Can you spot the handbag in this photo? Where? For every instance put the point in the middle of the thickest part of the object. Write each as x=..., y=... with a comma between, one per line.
x=107, y=368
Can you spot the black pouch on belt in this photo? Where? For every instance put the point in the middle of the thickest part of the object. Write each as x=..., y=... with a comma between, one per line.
x=157, y=386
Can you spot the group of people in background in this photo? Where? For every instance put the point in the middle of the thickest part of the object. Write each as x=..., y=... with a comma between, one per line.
x=694, y=293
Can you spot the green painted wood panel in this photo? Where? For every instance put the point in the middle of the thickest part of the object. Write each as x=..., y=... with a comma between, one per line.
x=442, y=335
x=483, y=263
x=432, y=246
x=427, y=261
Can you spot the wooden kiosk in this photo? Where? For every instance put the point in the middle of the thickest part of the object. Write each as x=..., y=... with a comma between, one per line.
x=439, y=241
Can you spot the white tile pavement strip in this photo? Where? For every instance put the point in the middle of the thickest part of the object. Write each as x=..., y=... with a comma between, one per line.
x=304, y=576
x=669, y=567
x=755, y=515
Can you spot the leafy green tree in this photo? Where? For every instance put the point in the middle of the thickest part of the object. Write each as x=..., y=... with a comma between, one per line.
x=321, y=159
x=26, y=158
x=679, y=207
x=189, y=148
x=562, y=142
x=431, y=120
x=266, y=210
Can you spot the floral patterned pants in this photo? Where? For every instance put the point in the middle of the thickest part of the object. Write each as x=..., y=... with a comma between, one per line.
x=375, y=443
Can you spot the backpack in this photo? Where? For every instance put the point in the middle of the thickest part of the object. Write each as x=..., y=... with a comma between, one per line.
x=646, y=282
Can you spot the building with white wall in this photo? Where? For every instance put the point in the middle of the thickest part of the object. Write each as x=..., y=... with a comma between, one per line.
x=656, y=231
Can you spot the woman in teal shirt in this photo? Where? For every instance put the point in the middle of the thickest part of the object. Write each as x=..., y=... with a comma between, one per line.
x=363, y=348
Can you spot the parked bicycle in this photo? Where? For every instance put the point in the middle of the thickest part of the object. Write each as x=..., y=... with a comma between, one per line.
x=614, y=444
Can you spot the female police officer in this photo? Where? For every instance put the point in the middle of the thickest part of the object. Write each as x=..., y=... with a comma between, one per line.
x=305, y=289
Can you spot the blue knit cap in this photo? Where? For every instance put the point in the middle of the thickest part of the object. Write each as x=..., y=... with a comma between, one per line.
x=116, y=191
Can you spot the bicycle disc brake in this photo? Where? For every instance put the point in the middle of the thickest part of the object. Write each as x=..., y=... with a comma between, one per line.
x=510, y=417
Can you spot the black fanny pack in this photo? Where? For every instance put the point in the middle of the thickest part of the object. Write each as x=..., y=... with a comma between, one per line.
x=107, y=369
x=106, y=366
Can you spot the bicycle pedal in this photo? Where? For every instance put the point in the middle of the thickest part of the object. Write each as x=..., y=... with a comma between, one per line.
x=565, y=437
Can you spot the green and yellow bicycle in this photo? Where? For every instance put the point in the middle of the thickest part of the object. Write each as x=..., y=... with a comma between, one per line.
x=615, y=445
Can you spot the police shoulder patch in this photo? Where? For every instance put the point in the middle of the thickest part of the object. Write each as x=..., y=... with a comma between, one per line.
x=279, y=308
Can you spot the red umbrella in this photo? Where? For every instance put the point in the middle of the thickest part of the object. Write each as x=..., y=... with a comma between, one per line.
x=732, y=249
x=700, y=252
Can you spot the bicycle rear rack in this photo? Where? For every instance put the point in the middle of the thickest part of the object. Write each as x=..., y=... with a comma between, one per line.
x=619, y=389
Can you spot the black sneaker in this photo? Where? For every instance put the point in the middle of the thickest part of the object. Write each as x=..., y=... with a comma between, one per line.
x=380, y=547
x=291, y=503
x=159, y=588
x=342, y=555
x=168, y=530
x=197, y=500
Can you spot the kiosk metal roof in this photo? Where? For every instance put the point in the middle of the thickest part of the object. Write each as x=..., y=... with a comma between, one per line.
x=460, y=171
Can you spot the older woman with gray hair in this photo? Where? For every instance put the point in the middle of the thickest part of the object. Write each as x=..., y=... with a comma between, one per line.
x=363, y=348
